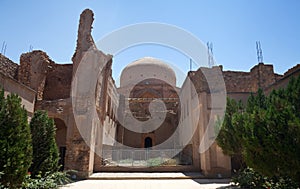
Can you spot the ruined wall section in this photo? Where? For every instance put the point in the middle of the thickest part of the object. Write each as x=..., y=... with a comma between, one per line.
x=8, y=67
x=283, y=81
x=58, y=82
x=278, y=77
x=79, y=155
x=33, y=70
x=50, y=80
x=292, y=70
x=238, y=81
x=85, y=40
x=260, y=76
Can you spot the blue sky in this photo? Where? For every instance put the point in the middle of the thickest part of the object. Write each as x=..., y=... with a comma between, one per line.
x=232, y=25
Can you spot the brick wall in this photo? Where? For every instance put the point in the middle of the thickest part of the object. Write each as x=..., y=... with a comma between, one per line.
x=58, y=82
x=8, y=67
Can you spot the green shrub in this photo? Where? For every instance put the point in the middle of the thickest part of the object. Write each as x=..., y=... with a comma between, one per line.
x=154, y=162
x=49, y=181
x=248, y=178
x=283, y=183
x=170, y=162
x=2, y=186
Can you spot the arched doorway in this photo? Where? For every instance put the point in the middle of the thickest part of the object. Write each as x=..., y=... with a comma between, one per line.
x=61, y=136
x=148, y=142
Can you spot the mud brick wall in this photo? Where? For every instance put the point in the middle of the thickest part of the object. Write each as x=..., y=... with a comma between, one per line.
x=58, y=82
x=8, y=67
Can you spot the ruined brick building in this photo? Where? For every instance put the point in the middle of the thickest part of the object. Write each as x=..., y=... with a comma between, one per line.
x=45, y=85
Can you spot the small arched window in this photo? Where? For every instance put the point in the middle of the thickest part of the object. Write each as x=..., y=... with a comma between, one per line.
x=148, y=142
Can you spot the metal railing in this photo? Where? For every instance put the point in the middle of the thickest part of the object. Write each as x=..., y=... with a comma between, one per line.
x=151, y=99
x=145, y=157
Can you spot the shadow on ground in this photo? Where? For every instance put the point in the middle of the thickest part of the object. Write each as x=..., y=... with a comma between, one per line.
x=200, y=179
x=228, y=187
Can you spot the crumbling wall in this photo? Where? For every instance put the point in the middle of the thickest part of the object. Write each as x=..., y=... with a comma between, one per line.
x=50, y=80
x=283, y=81
x=292, y=70
x=33, y=70
x=79, y=156
x=262, y=76
x=8, y=67
x=58, y=82
x=85, y=40
x=238, y=82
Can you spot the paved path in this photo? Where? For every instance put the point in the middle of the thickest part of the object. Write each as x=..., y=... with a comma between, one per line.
x=147, y=184
x=149, y=181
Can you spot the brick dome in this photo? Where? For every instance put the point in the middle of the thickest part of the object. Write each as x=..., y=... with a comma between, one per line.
x=146, y=68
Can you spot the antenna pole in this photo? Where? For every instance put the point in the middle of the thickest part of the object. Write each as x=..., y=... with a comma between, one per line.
x=3, y=47
x=259, y=52
x=30, y=48
x=210, y=54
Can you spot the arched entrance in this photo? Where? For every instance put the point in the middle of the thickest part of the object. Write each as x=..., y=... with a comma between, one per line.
x=61, y=136
x=148, y=142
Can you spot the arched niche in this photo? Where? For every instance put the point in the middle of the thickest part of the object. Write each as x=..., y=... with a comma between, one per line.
x=61, y=137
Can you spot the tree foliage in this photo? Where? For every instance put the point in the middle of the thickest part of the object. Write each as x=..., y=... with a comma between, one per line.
x=273, y=146
x=45, y=152
x=230, y=135
x=15, y=141
x=266, y=132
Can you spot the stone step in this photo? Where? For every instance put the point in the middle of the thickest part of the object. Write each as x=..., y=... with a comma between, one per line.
x=145, y=175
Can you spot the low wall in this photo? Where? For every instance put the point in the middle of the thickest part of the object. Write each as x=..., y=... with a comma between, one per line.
x=25, y=93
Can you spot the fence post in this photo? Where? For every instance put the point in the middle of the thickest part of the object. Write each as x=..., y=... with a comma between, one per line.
x=132, y=151
x=161, y=158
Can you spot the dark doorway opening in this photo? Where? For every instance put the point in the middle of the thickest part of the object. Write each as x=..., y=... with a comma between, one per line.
x=148, y=142
x=61, y=137
x=62, y=154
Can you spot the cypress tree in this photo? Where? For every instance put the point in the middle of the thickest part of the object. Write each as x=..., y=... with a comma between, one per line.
x=229, y=138
x=273, y=146
x=45, y=151
x=15, y=141
x=267, y=133
x=231, y=130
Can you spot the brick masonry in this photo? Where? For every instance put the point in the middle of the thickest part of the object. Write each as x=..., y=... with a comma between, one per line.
x=51, y=84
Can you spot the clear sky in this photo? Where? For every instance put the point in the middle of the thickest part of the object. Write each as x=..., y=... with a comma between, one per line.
x=233, y=26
